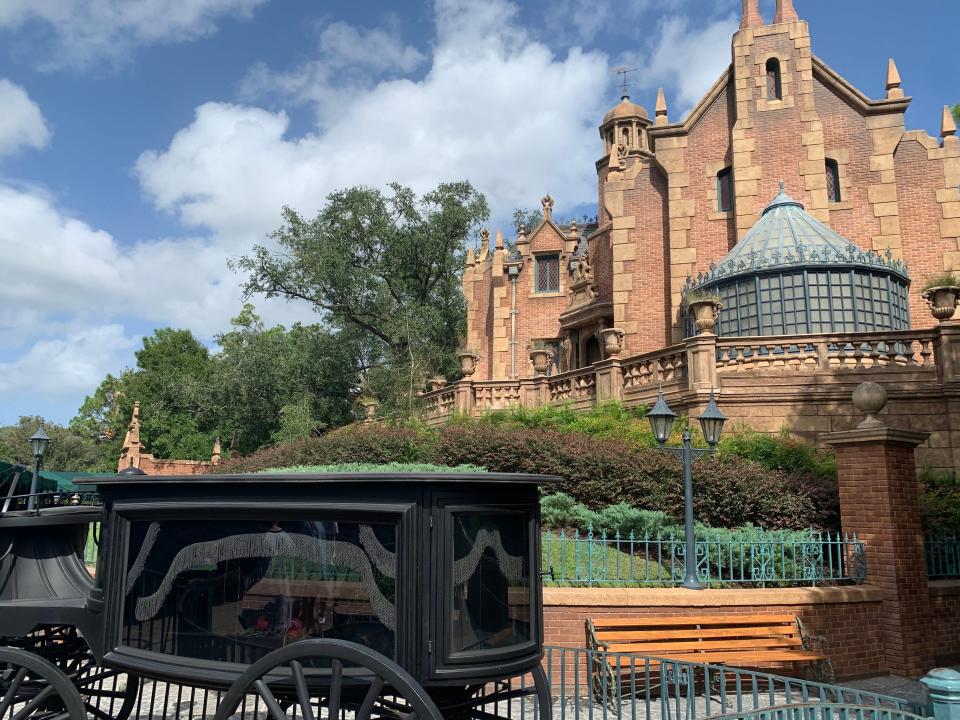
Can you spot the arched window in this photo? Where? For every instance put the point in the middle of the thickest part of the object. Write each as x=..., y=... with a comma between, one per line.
x=833, y=180
x=774, y=85
x=725, y=190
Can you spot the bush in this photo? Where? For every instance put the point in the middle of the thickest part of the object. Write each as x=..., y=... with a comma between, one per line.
x=626, y=519
x=940, y=501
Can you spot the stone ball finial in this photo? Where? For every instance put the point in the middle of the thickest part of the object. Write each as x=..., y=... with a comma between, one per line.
x=870, y=398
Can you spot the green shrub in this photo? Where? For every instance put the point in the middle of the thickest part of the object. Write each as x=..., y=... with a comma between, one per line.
x=626, y=519
x=940, y=501
x=370, y=467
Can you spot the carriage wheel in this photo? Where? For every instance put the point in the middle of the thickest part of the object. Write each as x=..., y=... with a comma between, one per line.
x=100, y=689
x=359, y=680
x=34, y=688
x=483, y=703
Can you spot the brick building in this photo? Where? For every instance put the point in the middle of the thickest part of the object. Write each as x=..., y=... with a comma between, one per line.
x=676, y=198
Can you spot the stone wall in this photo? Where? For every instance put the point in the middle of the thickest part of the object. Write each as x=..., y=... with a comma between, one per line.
x=849, y=617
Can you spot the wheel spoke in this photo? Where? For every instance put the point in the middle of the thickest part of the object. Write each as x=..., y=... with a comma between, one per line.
x=272, y=705
x=37, y=700
x=336, y=683
x=303, y=695
x=98, y=712
x=12, y=690
x=372, y=694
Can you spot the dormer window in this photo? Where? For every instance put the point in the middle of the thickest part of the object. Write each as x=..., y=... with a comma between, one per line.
x=833, y=180
x=725, y=190
x=548, y=274
x=774, y=83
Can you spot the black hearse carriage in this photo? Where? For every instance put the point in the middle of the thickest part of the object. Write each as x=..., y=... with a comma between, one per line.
x=380, y=595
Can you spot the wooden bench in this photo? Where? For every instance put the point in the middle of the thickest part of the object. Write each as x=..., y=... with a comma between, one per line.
x=743, y=641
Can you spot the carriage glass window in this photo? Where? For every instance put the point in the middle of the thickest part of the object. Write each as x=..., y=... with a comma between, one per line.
x=491, y=581
x=233, y=590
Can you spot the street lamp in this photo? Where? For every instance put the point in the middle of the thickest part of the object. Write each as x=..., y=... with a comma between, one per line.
x=38, y=446
x=711, y=423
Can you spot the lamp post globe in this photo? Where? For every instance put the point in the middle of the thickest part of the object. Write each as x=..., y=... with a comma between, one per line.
x=711, y=422
x=38, y=446
x=661, y=419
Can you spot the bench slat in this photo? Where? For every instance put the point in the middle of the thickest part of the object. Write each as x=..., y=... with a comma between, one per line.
x=729, y=658
x=759, y=643
x=736, y=632
x=679, y=621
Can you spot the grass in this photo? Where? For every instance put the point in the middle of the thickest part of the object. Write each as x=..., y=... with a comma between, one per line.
x=604, y=560
x=369, y=467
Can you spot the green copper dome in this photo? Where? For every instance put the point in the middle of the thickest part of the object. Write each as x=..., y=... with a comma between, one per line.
x=791, y=274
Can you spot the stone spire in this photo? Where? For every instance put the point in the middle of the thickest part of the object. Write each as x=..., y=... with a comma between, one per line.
x=785, y=12
x=948, y=126
x=484, y=245
x=498, y=243
x=522, y=236
x=470, y=257
x=893, y=80
x=661, y=109
x=235, y=444
x=751, y=15
x=132, y=448
x=217, y=453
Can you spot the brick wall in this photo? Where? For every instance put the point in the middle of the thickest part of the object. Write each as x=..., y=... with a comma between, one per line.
x=945, y=606
x=848, y=617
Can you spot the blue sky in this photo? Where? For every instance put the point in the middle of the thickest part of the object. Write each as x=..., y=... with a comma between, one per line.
x=144, y=142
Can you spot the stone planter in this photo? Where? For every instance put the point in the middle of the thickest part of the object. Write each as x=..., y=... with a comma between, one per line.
x=541, y=361
x=437, y=382
x=942, y=300
x=468, y=362
x=612, y=341
x=369, y=408
x=705, y=313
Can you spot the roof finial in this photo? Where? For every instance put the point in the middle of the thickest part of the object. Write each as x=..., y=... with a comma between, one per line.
x=547, y=202
x=522, y=234
x=948, y=126
x=785, y=12
x=498, y=242
x=625, y=86
x=751, y=15
x=661, y=110
x=782, y=186
x=893, y=80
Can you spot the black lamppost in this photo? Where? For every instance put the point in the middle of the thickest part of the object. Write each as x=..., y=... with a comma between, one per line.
x=711, y=423
x=38, y=446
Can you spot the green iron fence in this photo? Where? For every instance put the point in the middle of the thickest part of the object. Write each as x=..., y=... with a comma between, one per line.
x=942, y=556
x=724, y=557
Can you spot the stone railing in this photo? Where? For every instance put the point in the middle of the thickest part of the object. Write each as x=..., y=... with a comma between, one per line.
x=900, y=350
x=576, y=386
x=917, y=363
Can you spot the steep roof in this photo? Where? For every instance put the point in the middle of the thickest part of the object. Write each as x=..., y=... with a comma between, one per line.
x=786, y=236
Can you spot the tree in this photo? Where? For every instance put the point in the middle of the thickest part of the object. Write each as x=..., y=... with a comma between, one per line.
x=385, y=270
x=68, y=449
x=956, y=111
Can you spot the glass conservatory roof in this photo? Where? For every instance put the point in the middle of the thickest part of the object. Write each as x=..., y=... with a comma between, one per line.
x=787, y=237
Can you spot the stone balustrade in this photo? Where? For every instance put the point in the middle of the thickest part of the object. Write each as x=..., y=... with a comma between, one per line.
x=805, y=377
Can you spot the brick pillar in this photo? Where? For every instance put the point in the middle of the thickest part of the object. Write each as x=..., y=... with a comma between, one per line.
x=879, y=501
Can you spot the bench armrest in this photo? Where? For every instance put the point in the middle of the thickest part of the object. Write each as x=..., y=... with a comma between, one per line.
x=817, y=643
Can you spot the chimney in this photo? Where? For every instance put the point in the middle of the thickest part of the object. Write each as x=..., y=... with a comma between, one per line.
x=751, y=15
x=785, y=12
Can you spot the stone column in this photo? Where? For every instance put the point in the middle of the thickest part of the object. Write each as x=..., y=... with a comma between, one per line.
x=946, y=351
x=702, y=362
x=463, y=403
x=879, y=501
x=609, y=379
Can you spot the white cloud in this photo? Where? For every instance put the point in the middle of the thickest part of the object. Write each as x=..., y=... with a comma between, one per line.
x=688, y=59
x=21, y=122
x=494, y=107
x=84, y=31
x=73, y=364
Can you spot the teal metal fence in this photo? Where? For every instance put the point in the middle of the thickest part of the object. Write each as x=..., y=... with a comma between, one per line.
x=942, y=556
x=724, y=558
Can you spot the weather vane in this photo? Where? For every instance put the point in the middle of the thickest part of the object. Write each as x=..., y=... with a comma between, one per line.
x=622, y=72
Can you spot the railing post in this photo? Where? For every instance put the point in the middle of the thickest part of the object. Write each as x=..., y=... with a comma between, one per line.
x=943, y=693
x=702, y=362
x=609, y=379
x=534, y=392
x=464, y=401
x=946, y=351
x=879, y=502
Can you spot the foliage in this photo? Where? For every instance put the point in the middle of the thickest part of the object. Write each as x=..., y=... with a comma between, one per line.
x=940, y=501
x=383, y=467
x=384, y=267
x=946, y=279
x=68, y=449
x=694, y=296
x=956, y=111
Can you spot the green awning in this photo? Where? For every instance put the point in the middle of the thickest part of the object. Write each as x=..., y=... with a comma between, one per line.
x=68, y=481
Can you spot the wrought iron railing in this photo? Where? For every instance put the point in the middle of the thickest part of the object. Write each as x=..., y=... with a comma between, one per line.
x=942, y=556
x=724, y=558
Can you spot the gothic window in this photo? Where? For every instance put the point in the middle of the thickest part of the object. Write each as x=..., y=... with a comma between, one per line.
x=548, y=274
x=774, y=84
x=725, y=190
x=833, y=180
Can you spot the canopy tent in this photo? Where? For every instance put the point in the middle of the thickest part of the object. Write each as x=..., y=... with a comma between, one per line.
x=50, y=480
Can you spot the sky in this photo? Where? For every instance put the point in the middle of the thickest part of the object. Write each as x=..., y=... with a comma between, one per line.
x=144, y=143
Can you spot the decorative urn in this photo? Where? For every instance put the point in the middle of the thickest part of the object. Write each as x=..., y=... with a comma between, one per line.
x=612, y=341
x=705, y=312
x=468, y=362
x=540, y=358
x=942, y=300
x=437, y=382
